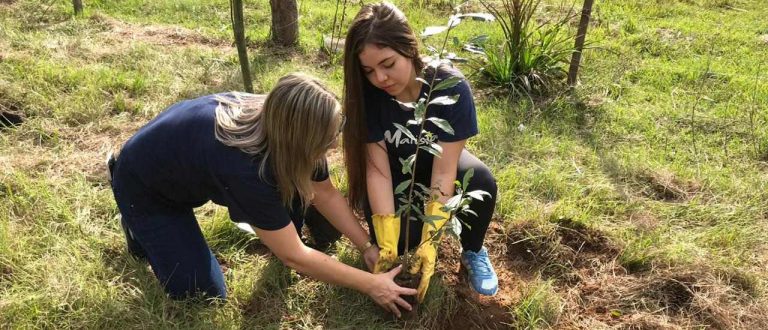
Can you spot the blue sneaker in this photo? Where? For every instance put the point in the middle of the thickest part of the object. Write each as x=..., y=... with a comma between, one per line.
x=482, y=277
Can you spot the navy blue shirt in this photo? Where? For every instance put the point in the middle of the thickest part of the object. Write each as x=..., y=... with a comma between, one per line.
x=382, y=111
x=175, y=163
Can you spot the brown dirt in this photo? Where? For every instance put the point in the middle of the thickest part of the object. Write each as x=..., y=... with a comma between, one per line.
x=407, y=280
x=163, y=35
x=665, y=186
x=476, y=311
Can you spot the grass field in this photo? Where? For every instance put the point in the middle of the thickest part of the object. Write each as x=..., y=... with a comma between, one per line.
x=639, y=201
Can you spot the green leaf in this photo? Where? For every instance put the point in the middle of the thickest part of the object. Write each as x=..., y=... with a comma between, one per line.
x=433, y=30
x=453, y=21
x=443, y=124
x=414, y=122
x=447, y=83
x=467, y=176
x=407, y=163
x=455, y=228
x=478, y=194
x=483, y=17
x=409, y=105
x=481, y=39
x=453, y=202
x=402, y=209
x=421, y=108
x=431, y=150
x=444, y=100
x=405, y=131
x=456, y=42
x=430, y=219
x=423, y=81
x=423, y=188
x=402, y=186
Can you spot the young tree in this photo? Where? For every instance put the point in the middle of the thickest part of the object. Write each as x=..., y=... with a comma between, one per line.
x=236, y=7
x=285, y=22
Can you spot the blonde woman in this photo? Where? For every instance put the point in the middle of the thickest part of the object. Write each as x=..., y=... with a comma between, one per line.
x=262, y=158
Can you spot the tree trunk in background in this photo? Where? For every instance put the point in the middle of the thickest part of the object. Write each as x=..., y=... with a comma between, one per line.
x=285, y=22
x=581, y=35
x=78, y=4
x=236, y=7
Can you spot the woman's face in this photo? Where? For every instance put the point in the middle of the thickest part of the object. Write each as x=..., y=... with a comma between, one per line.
x=389, y=71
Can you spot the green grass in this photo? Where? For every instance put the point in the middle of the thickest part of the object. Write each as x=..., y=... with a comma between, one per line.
x=662, y=148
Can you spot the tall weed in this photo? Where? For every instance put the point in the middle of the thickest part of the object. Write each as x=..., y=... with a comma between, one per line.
x=533, y=58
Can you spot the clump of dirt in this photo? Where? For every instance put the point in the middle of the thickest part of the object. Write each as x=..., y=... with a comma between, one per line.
x=561, y=251
x=665, y=186
x=10, y=112
x=408, y=280
x=475, y=311
x=10, y=119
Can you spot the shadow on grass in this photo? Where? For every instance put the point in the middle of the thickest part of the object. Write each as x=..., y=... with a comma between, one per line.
x=265, y=307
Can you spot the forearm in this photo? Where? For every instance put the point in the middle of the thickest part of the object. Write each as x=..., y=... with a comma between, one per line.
x=443, y=185
x=334, y=207
x=324, y=268
x=380, y=194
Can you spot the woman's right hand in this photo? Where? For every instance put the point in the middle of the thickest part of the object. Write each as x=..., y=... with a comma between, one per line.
x=386, y=293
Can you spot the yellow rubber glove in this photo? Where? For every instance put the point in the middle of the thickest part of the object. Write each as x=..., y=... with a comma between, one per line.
x=426, y=255
x=387, y=229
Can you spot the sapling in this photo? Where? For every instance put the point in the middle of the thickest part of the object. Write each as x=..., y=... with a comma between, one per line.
x=408, y=191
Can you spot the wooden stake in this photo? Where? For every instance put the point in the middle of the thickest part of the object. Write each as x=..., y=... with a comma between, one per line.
x=581, y=35
x=236, y=7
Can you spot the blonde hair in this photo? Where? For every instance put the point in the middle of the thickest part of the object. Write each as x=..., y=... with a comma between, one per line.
x=292, y=129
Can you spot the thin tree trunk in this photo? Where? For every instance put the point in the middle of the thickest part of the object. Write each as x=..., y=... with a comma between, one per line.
x=285, y=22
x=581, y=35
x=242, y=52
x=78, y=4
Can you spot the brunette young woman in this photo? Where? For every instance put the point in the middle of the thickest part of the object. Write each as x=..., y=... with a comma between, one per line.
x=381, y=64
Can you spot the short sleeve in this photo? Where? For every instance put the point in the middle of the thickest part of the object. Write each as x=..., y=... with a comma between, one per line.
x=251, y=200
x=462, y=115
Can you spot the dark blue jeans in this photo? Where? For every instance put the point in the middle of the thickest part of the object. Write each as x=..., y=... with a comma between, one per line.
x=180, y=257
x=178, y=253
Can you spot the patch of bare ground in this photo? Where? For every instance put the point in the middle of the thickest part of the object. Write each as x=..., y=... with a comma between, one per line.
x=162, y=35
x=666, y=186
x=57, y=153
x=599, y=293
x=672, y=298
x=475, y=311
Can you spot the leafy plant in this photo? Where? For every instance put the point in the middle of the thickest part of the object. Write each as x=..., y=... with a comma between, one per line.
x=410, y=189
x=533, y=57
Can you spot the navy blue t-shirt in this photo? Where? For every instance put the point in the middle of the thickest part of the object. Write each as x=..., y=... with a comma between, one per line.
x=382, y=111
x=175, y=163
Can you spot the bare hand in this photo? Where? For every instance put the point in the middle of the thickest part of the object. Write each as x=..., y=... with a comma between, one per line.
x=387, y=294
x=371, y=255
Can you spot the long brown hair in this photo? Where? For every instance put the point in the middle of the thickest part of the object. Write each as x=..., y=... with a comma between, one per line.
x=292, y=130
x=383, y=25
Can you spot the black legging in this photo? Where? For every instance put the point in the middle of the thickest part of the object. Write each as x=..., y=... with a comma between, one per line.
x=471, y=239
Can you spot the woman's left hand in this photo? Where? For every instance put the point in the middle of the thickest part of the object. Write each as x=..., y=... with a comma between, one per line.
x=371, y=256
